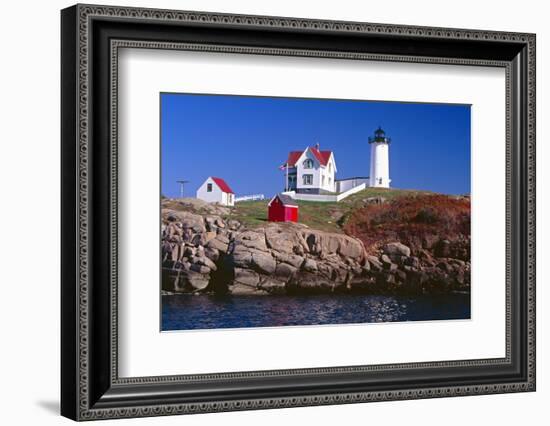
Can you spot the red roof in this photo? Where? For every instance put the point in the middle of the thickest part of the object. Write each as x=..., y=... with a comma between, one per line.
x=322, y=156
x=222, y=185
x=293, y=157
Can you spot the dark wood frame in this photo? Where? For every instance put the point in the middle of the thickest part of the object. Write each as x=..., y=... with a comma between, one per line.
x=90, y=386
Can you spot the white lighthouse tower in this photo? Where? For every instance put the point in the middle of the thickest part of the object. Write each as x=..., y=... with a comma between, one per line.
x=379, y=160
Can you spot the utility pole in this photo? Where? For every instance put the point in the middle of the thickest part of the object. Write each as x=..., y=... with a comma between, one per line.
x=182, y=186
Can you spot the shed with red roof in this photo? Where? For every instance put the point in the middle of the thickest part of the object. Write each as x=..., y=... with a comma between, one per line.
x=216, y=190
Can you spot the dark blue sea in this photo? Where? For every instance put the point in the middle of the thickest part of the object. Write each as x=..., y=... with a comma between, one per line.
x=193, y=312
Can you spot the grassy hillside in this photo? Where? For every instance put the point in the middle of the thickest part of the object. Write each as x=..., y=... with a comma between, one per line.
x=324, y=216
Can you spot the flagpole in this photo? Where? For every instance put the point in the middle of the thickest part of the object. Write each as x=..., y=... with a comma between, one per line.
x=286, y=190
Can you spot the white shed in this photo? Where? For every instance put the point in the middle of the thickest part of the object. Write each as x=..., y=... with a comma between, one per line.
x=216, y=190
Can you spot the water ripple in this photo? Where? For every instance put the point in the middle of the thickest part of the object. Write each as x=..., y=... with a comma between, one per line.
x=187, y=312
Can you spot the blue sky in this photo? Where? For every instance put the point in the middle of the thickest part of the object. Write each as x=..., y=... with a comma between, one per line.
x=245, y=139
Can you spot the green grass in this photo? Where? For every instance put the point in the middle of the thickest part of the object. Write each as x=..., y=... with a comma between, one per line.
x=323, y=216
x=318, y=215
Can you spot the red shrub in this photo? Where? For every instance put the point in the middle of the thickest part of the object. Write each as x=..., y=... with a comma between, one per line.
x=409, y=219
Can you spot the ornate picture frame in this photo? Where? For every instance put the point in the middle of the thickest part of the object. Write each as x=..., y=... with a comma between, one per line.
x=91, y=386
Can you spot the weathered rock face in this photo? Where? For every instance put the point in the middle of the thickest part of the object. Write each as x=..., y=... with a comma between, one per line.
x=205, y=253
x=396, y=249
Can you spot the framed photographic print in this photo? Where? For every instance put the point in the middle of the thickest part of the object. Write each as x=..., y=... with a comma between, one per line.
x=264, y=212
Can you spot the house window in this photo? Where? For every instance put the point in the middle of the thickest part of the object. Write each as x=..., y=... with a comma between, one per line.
x=230, y=198
x=323, y=181
x=208, y=187
x=308, y=163
x=330, y=167
x=308, y=179
x=329, y=181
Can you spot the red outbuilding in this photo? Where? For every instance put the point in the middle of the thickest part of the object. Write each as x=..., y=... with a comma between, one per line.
x=282, y=208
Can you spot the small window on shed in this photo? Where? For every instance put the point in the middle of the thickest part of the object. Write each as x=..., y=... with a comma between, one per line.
x=208, y=187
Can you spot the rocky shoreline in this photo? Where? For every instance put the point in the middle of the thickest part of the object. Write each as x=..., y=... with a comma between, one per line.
x=208, y=253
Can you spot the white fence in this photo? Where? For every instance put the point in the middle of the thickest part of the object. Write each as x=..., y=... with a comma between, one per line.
x=249, y=198
x=325, y=198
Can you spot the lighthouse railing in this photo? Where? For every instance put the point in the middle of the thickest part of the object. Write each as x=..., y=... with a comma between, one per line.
x=379, y=139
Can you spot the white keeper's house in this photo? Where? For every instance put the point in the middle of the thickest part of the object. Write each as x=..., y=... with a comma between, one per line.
x=216, y=190
x=310, y=171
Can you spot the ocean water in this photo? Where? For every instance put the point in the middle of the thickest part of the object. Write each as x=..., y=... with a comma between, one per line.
x=194, y=312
